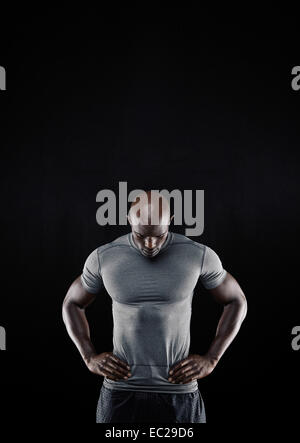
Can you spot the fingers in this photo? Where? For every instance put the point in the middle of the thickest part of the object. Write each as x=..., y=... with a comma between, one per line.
x=106, y=370
x=124, y=373
x=112, y=367
x=119, y=361
x=188, y=376
x=182, y=373
x=179, y=365
x=183, y=366
x=106, y=373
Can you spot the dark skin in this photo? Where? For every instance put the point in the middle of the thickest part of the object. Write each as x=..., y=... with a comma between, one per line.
x=74, y=306
x=230, y=295
x=149, y=239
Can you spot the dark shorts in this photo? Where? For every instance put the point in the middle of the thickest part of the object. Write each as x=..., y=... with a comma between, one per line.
x=149, y=407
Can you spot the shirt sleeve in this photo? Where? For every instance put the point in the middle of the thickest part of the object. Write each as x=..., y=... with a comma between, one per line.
x=91, y=276
x=212, y=273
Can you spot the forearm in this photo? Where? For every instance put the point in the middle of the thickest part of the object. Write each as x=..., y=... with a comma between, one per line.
x=78, y=329
x=228, y=327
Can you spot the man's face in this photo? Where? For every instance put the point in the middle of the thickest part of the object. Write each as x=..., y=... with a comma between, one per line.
x=149, y=239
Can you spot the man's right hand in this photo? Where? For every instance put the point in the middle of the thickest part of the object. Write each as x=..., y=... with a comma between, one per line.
x=108, y=365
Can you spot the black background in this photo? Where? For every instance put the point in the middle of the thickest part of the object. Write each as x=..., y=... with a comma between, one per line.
x=165, y=98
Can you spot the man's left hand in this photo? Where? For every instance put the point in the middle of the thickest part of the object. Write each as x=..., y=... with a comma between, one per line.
x=191, y=368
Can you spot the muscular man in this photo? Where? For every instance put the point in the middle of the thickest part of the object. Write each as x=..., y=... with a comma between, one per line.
x=150, y=274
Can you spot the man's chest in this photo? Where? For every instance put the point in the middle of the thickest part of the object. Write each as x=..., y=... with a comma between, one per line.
x=131, y=278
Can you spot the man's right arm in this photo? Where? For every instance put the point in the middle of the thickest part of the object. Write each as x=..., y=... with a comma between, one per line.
x=73, y=312
x=74, y=305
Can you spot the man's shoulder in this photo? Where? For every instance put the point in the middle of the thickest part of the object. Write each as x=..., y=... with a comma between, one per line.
x=180, y=239
x=117, y=242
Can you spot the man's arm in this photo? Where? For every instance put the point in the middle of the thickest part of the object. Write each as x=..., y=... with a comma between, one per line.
x=231, y=296
x=73, y=312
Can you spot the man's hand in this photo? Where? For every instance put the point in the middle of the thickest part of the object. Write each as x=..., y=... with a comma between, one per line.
x=191, y=368
x=108, y=365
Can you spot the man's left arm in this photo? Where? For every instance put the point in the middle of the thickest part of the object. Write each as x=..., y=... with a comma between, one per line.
x=231, y=296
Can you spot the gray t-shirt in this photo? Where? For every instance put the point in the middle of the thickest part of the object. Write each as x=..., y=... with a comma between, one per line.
x=151, y=304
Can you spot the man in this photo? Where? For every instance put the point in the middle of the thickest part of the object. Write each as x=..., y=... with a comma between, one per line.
x=150, y=275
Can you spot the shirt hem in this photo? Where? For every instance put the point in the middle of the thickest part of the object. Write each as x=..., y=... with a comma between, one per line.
x=173, y=389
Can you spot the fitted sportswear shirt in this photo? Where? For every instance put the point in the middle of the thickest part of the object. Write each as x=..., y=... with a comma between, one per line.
x=151, y=304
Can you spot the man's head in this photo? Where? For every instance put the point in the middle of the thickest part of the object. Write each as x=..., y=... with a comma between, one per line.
x=149, y=217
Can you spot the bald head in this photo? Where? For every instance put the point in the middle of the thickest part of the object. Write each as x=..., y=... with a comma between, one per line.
x=149, y=217
x=150, y=208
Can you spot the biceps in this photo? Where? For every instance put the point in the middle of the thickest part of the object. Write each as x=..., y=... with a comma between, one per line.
x=228, y=291
x=78, y=295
